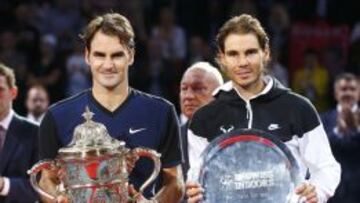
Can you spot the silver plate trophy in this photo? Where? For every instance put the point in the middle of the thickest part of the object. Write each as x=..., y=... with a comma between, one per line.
x=93, y=167
x=248, y=166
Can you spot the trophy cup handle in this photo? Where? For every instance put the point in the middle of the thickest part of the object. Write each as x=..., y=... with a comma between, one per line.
x=155, y=157
x=33, y=174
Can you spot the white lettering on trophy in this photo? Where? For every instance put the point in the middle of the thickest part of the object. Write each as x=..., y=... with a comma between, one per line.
x=248, y=180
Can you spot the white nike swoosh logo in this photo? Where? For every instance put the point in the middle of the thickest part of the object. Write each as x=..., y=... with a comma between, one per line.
x=133, y=131
x=273, y=127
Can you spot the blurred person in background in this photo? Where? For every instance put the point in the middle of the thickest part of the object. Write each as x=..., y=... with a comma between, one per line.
x=18, y=145
x=276, y=69
x=10, y=55
x=333, y=58
x=198, y=50
x=312, y=80
x=62, y=19
x=196, y=88
x=279, y=26
x=37, y=103
x=171, y=37
x=77, y=71
x=49, y=72
x=342, y=125
x=155, y=74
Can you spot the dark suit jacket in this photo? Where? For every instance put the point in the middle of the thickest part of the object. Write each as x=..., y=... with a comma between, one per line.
x=184, y=150
x=19, y=154
x=345, y=150
x=184, y=153
x=329, y=120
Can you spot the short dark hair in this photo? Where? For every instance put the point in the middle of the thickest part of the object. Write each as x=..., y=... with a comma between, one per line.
x=9, y=75
x=242, y=24
x=110, y=24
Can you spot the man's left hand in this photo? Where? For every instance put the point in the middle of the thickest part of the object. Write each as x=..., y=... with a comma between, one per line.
x=307, y=192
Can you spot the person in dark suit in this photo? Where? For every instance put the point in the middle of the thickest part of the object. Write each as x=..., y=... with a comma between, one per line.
x=196, y=87
x=18, y=145
x=342, y=125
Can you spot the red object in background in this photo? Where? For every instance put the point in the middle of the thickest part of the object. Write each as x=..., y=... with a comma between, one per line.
x=318, y=36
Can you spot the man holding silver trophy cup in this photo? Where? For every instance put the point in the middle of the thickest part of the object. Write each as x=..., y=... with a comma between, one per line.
x=91, y=166
x=252, y=100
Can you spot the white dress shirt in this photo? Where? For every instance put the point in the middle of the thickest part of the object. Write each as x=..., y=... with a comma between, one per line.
x=35, y=120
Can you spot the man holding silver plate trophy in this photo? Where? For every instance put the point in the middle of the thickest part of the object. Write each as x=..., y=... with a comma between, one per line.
x=288, y=159
x=92, y=159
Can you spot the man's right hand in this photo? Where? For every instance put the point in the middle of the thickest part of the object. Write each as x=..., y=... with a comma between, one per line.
x=194, y=192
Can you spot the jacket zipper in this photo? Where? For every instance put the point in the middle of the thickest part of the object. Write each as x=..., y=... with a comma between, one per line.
x=249, y=114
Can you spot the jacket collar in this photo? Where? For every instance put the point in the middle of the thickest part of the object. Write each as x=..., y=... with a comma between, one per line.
x=273, y=88
x=229, y=86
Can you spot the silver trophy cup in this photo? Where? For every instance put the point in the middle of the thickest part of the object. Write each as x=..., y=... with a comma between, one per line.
x=93, y=167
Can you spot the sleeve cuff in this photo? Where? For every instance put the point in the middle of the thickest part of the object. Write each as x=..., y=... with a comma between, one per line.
x=6, y=188
x=322, y=198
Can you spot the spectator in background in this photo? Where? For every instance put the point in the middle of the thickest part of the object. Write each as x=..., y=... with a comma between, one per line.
x=333, y=60
x=49, y=71
x=17, y=61
x=37, y=103
x=62, y=19
x=171, y=36
x=198, y=50
x=78, y=74
x=9, y=53
x=276, y=69
x=342, y=125
x=155, y=74
x=196, y=88
x=278, y=25
x=216, y=13
x=159, y=70
x=135, y=10
x=312, y=80
x=18, y=145
x=28, y=36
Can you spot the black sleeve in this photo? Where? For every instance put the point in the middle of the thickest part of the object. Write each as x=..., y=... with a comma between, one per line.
x=49, y=143
x=170, y=147
x=309, y=118
x=197, y=124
